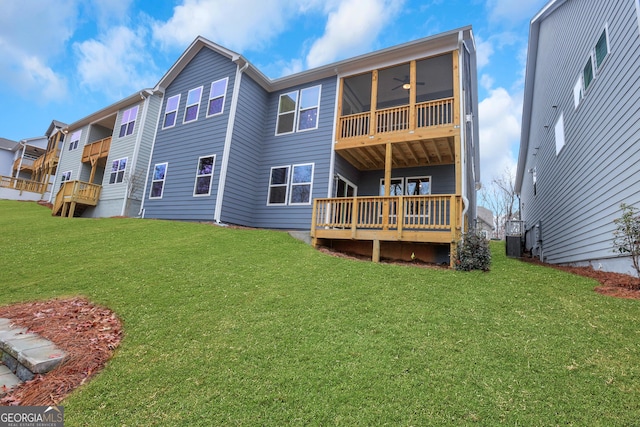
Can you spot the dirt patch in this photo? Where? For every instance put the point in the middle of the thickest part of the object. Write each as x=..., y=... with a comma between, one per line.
x=612, y=284
x=88, y=333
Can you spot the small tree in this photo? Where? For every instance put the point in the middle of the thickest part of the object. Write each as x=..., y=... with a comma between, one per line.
x=473, y=253
x=626, y=237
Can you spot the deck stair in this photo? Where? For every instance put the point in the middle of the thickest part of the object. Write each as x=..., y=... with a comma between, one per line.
x=23, y=355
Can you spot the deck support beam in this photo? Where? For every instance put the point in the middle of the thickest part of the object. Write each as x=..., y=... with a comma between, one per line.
x=375, y=254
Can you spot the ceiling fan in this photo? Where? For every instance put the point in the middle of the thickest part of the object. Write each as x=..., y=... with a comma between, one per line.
x=404, y=83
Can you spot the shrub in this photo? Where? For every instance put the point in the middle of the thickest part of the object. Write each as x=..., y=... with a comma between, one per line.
x=626, y=237
x=472, y=252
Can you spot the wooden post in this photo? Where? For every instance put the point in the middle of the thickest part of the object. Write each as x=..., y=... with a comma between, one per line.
x=354, y=218
x=374, y=101
x=400, y=212
x=375, y=256
x=388, y=162
x=314, y=221
x=94, y=163
x=412, y=96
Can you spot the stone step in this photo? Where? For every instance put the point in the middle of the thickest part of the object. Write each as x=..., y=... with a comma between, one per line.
x=27, y=354
x=7, y=380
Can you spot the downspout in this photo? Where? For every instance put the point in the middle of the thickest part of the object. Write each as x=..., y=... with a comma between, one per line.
x=136, y=150
x=463, y=156
x=153, y=144
x=226, y=153
x=332, y=159
x=24, y=148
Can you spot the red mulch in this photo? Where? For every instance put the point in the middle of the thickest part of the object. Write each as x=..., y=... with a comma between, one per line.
x=89, y=334
x=612, y=284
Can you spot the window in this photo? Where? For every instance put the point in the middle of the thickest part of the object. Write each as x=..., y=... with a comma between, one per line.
x=419, y=186
x=602, y=49
x=559, y=134
x=397, y=187
x=534, y=177
x=286, y=112
x=157, y=181
x=301, y=181
x=193, y=105
x=117, y=171
x=171, y=111
x=278, y=186
x=204, y=175
x=577, y=92
x=75, y=139
x=128, y=121
x=587, y=74
x=308, y=113
x=65, y=177
x=303, y=105
x=216, y=97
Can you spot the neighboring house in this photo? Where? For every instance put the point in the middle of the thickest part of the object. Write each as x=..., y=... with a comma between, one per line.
x=580, y=146
x=27, y=153
x=484, y=223
x=376, y=154
x=104, y=158
x=8, y=150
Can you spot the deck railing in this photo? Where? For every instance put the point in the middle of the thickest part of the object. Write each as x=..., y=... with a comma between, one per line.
x=76, y=192
x=428, y=213
x=22, y=184
x=96, y=150
x=396, y=119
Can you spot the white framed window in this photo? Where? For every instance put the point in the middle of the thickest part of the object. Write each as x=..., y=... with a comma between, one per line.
x=278, y=185
x=397, y=187
x=534, y=178
x=171, y=112
x=204, y=176
x=193, y=105
x=602, y=48
x=158, y=180
x=418, y=186
x=578, y=93
x=559, y=131
x=287, y=107
x=217, y=96
x=301, y=184
x=117, y=171
x=66, y=176
x=75, y=139
x=587, y=74
x=128, y=121
x=308, y=109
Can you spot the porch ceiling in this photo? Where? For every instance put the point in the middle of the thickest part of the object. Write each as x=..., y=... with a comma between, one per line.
x=429, y=152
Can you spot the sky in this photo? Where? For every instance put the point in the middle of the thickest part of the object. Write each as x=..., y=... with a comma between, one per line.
x=65, y=59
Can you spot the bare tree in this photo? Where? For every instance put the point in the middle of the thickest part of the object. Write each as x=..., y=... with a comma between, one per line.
x=134, y=182
x=500, y=198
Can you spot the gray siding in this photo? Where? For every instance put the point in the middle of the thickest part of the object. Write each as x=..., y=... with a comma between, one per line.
x=443, y=179
x=312, y=146
x=182, y=145
x=579, y=190
x=71, y=161
x=240, y=196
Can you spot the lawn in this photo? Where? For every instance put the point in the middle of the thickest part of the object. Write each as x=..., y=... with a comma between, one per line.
x=251, y=327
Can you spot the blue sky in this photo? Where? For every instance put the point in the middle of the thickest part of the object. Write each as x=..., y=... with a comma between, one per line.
x=65, y=59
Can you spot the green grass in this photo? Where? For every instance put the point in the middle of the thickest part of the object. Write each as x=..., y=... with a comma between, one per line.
x=251, y=327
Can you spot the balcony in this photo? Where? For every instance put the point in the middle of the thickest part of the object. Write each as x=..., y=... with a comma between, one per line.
x=25, y=164
x=96, y=151
x=428, y=219
x=23, y=185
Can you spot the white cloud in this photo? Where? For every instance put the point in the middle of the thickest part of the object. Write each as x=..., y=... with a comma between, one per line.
x=30, y=39
x=351, y=29
x=116, y=64
x=484, y=50
x=239, y=25
x=499, y=120
x=510, y=12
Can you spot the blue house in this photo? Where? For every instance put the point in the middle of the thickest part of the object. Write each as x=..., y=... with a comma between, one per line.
x=376, y=154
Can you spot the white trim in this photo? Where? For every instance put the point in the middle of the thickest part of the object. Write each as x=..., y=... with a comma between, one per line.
x=195, y=182
x=224, y=96
x=164, y=180
x=285, y=185
x=317, y=108
x=153, y=145
x=295, y=112
x=128, y=110
x=406, y=182
x=401, y=178
x=300, y=184
x=126, y=163
x=226, y=152
x=332, y=159
x=638, y=13
x=333, y=192
x=166, y=105
x=559, y=133
x=187, y=105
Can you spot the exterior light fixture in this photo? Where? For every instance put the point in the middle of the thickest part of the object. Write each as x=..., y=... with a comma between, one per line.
x=406, y=86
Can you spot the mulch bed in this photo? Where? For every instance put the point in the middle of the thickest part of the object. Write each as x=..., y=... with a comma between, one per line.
x=88, y=333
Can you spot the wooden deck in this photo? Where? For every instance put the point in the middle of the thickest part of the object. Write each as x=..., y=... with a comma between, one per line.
x=428, y=219
x=73, y=194
x=96, y=150
x=23, y=184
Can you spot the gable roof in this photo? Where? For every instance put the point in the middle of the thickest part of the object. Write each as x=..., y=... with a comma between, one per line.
x=7, y=144
x=439, y=43
x=532, y=54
